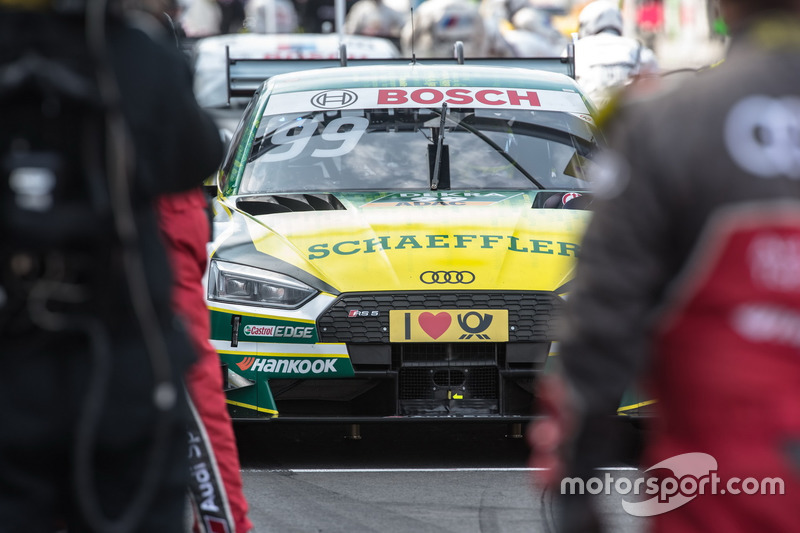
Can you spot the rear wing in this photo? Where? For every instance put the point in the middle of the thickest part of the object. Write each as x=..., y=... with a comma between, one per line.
x=244, y=76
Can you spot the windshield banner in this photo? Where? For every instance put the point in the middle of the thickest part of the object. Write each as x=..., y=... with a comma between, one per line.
x=425, y=97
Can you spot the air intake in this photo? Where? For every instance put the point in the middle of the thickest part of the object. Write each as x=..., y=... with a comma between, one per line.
x=288, y=203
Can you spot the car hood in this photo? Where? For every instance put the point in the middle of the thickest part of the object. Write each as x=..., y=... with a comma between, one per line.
x=408, y=241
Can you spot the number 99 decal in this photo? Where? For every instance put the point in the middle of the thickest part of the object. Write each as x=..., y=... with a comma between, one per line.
x=346, y=131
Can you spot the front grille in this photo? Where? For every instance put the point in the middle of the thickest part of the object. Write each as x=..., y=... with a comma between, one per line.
x=447, y=354
x=531, y=315
x=455, y=377
x=479, y=383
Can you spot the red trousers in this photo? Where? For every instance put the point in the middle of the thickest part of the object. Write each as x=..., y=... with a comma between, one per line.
x=184, y=225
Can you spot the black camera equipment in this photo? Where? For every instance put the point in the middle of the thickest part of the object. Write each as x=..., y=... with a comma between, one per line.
x=63, y=206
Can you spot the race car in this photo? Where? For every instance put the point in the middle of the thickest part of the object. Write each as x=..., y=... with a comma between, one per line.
x=395, y=240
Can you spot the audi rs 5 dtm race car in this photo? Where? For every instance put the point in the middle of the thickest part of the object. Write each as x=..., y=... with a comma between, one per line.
x=396, y=239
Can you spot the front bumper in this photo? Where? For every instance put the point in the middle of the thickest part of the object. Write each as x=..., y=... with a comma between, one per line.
x=349, y=369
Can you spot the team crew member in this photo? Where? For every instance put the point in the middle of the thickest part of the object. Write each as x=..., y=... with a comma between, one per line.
x=687, y=282
x=93, y=425
x=215, y=476
x=270, y=16
x=605, y=60
x=438, y=24
x=215, y=483
x=376, y=19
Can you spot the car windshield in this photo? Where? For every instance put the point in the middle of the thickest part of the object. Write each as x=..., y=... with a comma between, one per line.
x=413, y=148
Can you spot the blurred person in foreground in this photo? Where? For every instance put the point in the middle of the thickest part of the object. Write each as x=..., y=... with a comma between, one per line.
x=215, y=486
x=688, y=284
x=98, y=120
x=215, y=481
x=605, y=60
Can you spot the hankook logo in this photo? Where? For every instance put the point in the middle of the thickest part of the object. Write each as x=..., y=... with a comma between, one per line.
x=430, y=277
x=334, y=99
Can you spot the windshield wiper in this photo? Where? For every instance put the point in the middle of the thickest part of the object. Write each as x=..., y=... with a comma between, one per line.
x=500, y=151
x=439, y=143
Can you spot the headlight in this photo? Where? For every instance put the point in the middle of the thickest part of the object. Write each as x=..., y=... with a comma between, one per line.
x=229, y=282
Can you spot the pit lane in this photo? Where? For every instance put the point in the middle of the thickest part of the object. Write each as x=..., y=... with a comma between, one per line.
x=400, y=477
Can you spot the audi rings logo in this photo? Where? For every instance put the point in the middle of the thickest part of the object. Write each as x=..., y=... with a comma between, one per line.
x=430, y=277
x=334, y=99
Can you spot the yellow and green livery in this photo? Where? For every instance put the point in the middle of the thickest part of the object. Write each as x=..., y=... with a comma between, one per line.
x=398, y=240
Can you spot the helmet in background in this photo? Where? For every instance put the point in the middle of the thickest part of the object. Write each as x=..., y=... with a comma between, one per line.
x=600, y=16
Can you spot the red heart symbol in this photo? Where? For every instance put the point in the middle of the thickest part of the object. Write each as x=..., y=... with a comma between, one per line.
x=434, y=325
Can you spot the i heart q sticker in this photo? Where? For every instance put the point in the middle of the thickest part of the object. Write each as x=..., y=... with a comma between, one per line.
x=448, y=325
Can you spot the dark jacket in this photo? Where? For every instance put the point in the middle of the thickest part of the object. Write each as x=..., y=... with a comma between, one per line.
x=173, y=146
x=687, y=279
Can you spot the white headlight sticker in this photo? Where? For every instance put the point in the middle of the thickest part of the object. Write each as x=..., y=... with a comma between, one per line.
x=586, y=117
x=762, y=135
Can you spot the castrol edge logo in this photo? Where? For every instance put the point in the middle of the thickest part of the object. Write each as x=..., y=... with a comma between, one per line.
x=297, y=332
x=415, y=97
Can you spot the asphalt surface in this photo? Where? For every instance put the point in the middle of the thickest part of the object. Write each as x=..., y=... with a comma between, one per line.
x=398, y=478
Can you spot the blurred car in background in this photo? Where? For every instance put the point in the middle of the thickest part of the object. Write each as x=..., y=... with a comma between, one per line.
x=210, y=56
